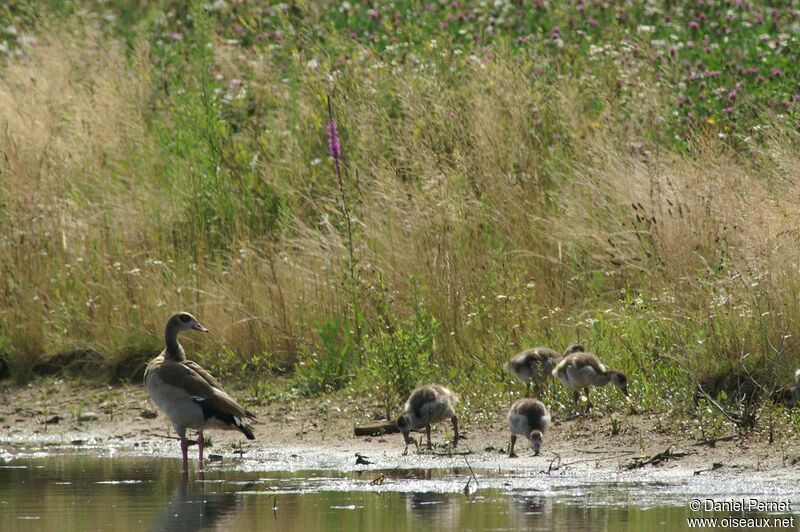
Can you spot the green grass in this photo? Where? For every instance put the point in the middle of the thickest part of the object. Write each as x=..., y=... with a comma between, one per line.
x=512, y=175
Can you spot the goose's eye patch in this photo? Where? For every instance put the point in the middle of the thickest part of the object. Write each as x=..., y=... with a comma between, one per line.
x=185, y=318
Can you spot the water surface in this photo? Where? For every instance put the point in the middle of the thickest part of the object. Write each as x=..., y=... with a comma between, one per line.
x=89, y=492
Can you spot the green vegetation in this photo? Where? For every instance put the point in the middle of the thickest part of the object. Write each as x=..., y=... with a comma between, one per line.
x=511, y=174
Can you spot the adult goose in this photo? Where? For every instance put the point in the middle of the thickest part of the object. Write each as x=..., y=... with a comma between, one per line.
x=536, y=364
x=583, y=370
x=188, y=394
x=427, y=405
x=528, y=418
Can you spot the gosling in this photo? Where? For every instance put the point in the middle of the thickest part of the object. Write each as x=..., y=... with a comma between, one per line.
x=582, y=370
x=536, y=364
x=789, y=395
x=529, y=418
x=425, y=406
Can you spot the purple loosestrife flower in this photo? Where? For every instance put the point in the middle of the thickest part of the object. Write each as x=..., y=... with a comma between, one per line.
x=333, y=141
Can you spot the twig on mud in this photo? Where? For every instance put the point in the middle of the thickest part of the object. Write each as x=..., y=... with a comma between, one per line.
x=471, y=473
x=449, y=452
x=560, y=465
x=714, y=467
x=378, y=481
x=376, y=430
x=587, y=451
x=712, y=442
x=556, y=458
x=656, y=459
x=168, y=437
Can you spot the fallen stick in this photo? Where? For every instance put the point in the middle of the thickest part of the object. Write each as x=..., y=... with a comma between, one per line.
x=656, y=459
x=714, y=467
x=712, y=442
x=376, y=430
x=561, y=464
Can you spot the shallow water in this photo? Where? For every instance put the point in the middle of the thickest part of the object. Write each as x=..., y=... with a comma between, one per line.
x=89, y=492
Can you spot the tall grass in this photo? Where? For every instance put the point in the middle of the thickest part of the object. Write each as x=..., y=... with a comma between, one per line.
x=494, y=203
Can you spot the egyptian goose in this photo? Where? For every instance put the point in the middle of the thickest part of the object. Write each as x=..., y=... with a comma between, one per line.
x=427, y=405
x=528, y=418
x=536, y=364
x=582, y=370
x=189, y=396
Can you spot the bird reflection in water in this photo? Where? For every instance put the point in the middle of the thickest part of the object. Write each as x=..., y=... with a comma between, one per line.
x=528, y=510
x=193, y=506
x=432, y=507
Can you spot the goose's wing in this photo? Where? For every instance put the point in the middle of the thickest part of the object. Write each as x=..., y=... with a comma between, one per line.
x=209, y=378
x=193, y=383
x=200, y=370
x=585, y=360
x=419, y=398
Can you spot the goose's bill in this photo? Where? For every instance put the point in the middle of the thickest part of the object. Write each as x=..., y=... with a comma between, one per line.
x=197, y=327
x=629, y=401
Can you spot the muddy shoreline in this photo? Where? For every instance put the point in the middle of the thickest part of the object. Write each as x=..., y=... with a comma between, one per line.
x=318, y=435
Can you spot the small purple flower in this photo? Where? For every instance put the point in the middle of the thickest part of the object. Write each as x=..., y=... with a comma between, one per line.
x=693, y=25
x=333, y=141
x=776, y=73
x=732, y=95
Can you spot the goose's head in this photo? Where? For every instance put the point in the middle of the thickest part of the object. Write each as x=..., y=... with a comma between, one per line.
x=404, y=424
x=183, y=321
x=536, y=441
x=574, y=348
x=618, y=379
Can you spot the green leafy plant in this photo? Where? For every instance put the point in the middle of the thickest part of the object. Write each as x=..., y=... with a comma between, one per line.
x=331, y=365
x=399, y=360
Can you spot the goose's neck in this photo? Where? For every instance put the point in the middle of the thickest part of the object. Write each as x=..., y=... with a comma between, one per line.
x=602, y=379
x=174, y=349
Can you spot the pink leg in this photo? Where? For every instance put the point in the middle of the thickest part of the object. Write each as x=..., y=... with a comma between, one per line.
x=185, y=453
x=200, y=443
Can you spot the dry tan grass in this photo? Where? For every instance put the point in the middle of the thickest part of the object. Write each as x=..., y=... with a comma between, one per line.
x=464, y=202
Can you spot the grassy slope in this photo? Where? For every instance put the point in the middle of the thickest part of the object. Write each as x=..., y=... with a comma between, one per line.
x=621, y=174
